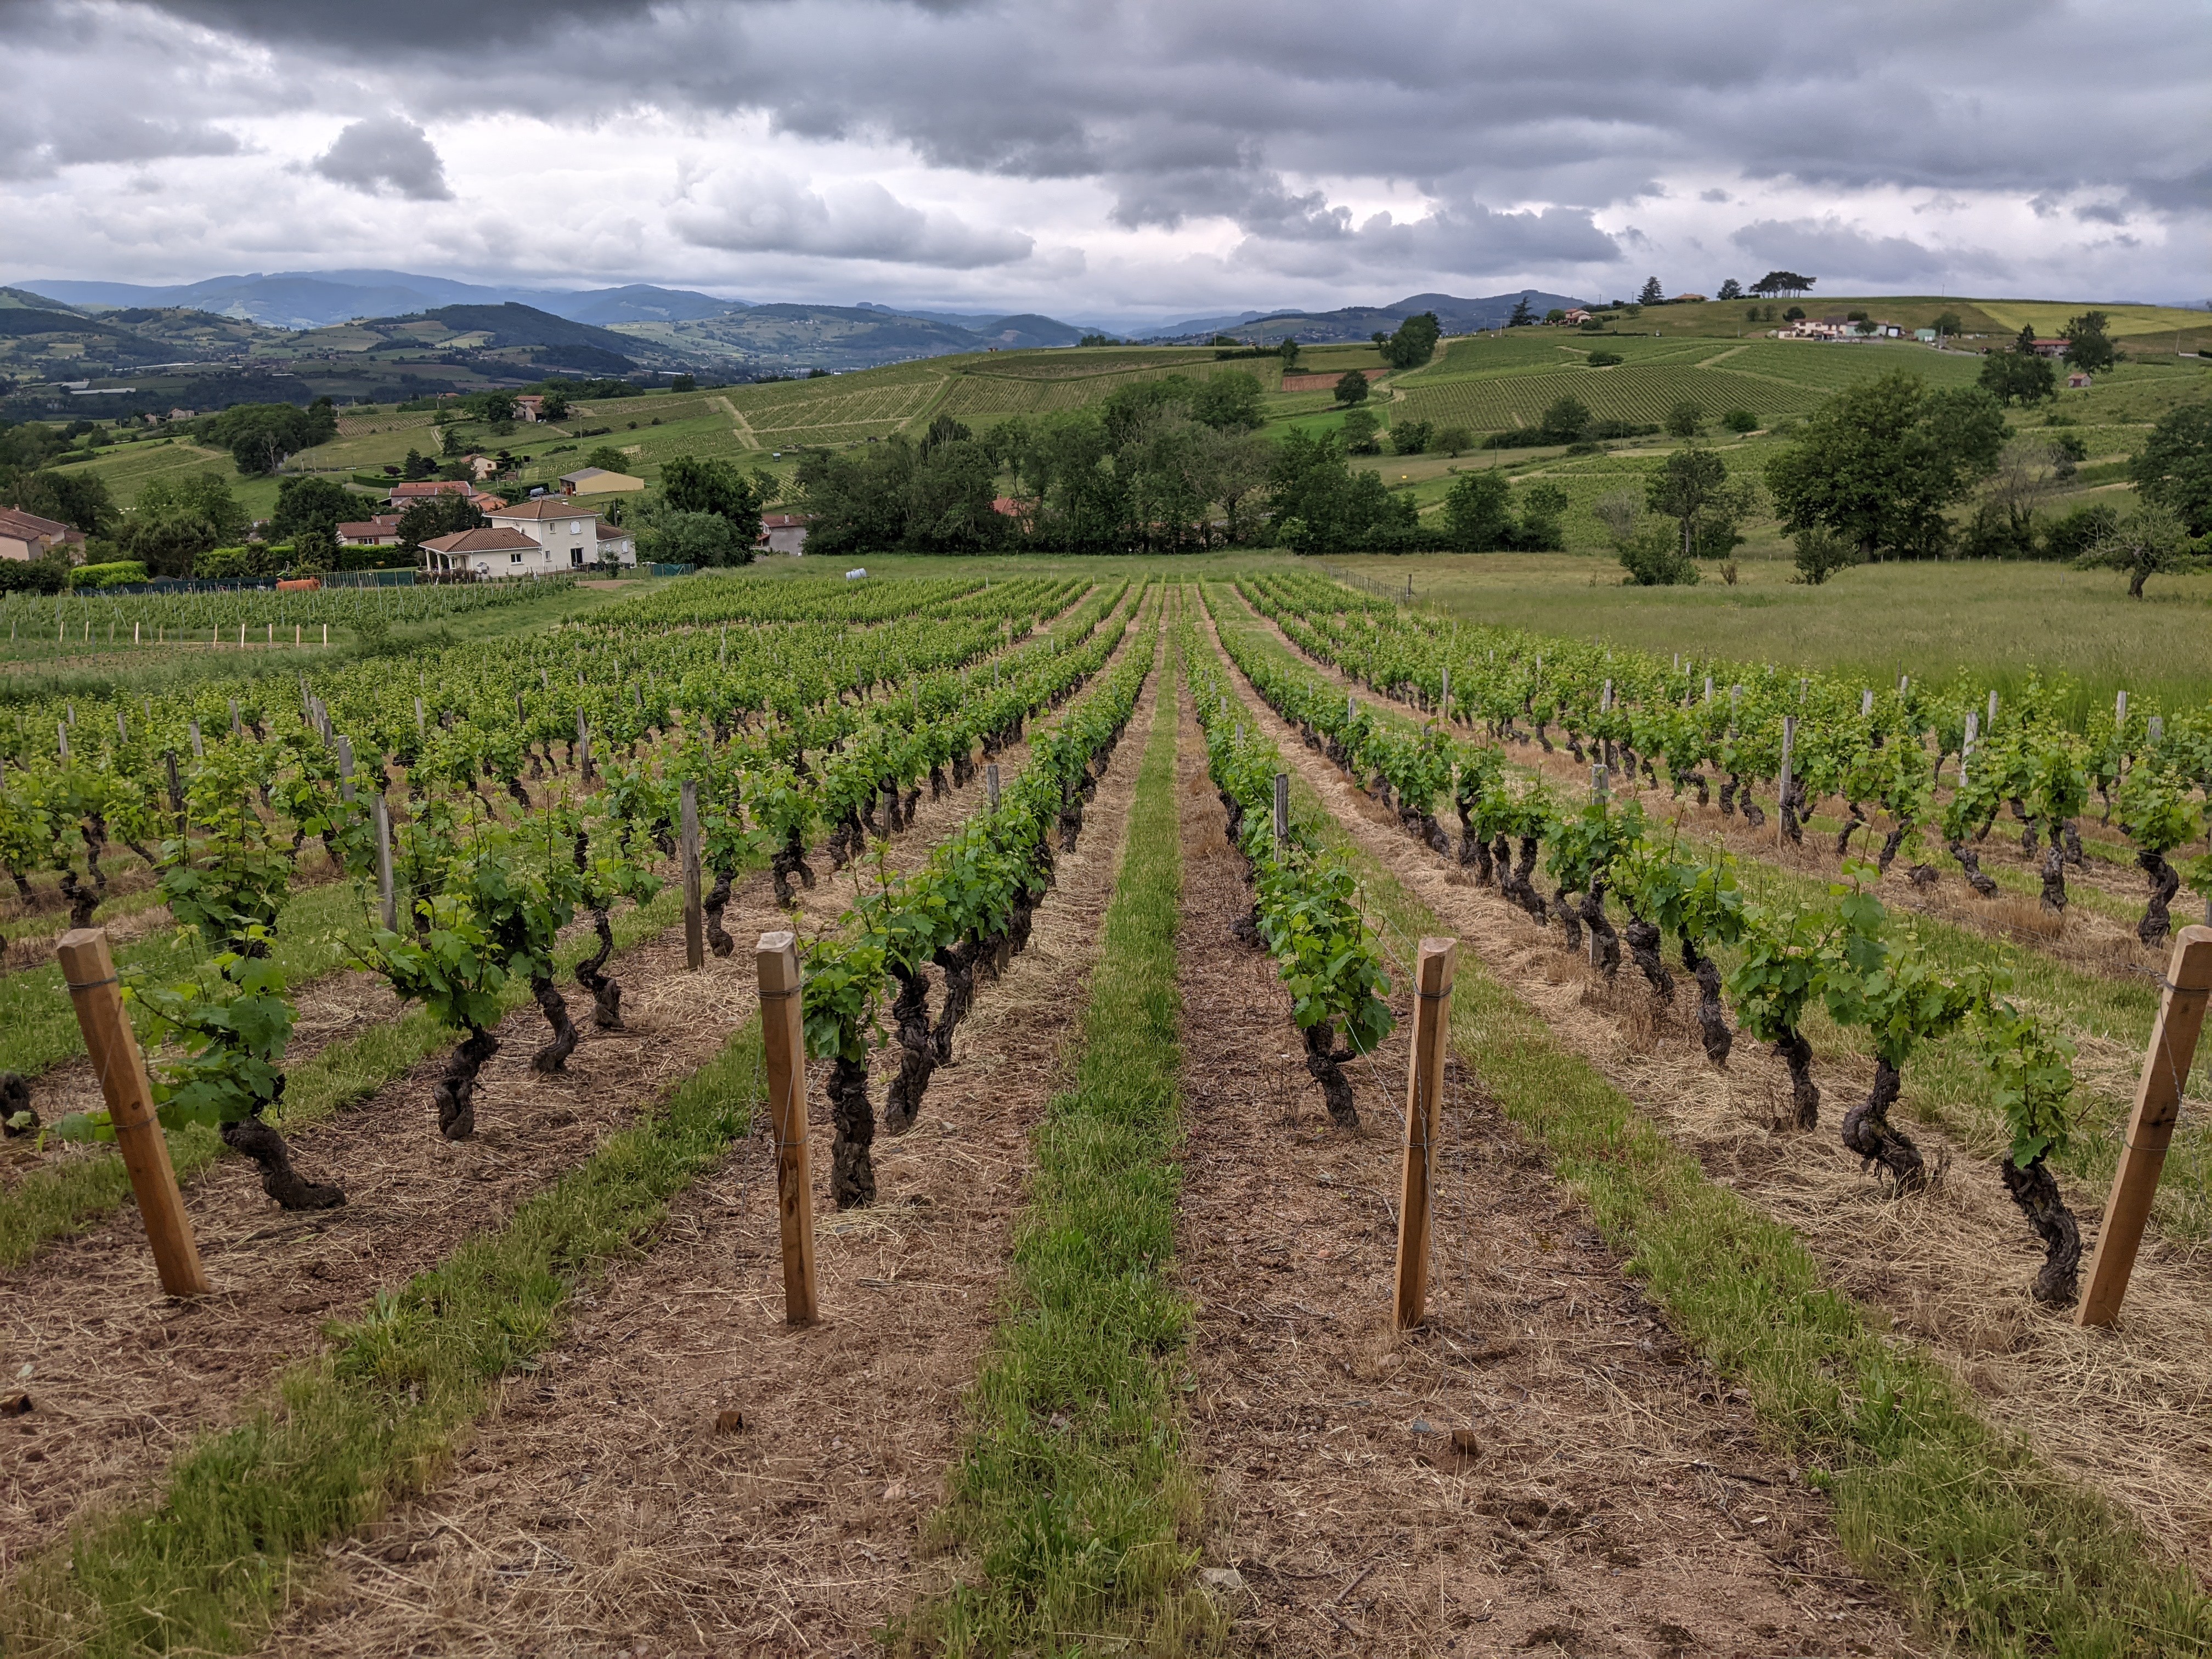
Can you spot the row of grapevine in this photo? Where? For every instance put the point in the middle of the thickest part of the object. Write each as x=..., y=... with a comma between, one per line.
x=966, y=912
x=1305, y=906
x=1630, y=392
x=487, y=878
x=111, y=618
x=1873, y=750
x=1836, y=954
x=731, y=598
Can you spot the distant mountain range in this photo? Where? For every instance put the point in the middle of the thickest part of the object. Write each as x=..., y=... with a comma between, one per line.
x=316, y=299
x=1458, y=316
x=378, y=334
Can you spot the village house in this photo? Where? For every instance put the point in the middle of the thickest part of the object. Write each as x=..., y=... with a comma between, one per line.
x=561, y=537
x=380, y=530
x=2077, y=381
x=481, y=553
x=785, y=532
x=1687, y=299
x=405, y=494
x=26, y=535
x=598, y=480
x=1576, y=316
x=530, y=406
x=2050, y=348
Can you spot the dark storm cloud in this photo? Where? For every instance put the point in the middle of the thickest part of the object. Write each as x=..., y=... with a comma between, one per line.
x=1829, y=245
x=1198, y=112
x=385, y=153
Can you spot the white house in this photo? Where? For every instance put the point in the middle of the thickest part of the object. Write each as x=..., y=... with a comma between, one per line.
x=563, y=535
x=481, y=553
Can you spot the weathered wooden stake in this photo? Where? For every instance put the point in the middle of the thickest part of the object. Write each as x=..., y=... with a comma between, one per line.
x=1425, y=1088
x=387, y=900
x=1282, y=809
x=583, y=749
x=199, y=748
x=2150, y=1128
x=695, y=915
x=1789, y=740
x=89, y=968
x=783, y=1042
x=991, y=783
x=176, y=785
x=345, y=769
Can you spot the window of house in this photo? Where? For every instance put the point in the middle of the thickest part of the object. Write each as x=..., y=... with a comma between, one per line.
x=515, y=558
x=576, y=555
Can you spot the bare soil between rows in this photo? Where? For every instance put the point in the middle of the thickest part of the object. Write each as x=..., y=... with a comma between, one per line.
x=601, y=1508
x=2127, y=1410
x=1544, y=1466
x=121, y=1377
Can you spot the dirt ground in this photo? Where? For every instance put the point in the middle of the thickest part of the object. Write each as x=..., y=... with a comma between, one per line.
x=1543, y=1468
x=689, y=1476
x=2127, y=1410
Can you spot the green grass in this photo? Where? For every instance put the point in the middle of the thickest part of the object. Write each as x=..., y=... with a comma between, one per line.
x=243, y=1513
x=1998, y=622
x=1072, y=1503
x=1994, y=1550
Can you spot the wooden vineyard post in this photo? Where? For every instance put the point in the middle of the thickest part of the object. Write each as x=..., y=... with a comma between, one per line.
x=345, y=770
x=1789, y=741
x=2150, y=1127
x=782, y=1039
x=89, y=968
x=1425, y=1080
x=387, y=900
x=991, y=783
x=695, y=917
x=1282, y=810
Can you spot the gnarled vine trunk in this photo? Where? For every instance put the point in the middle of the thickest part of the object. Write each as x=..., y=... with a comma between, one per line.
x=1569, y=920
x=853, y=1131
x=917, y=1047
x=788, y=863
x=717, y=901
x=1797, y=1054
x=1325, y=1064
x=607, y=994
x=1601, y=927
x=1867, y=1132
x=1712, y=1017
x=554, y=1056
x=2054, y=876
x=1644, y=940
x=2165, y=882
x=251, y=1138
x=455, y=1094
x=1971, y=862
x=2059, y=1283
x=958, y=962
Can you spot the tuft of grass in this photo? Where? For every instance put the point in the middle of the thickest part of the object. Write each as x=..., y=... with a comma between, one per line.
x=1994, y=1551
x=1072, y=1504
x=243, y=1513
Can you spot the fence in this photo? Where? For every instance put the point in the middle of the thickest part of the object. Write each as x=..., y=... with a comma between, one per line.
x=1389, y=591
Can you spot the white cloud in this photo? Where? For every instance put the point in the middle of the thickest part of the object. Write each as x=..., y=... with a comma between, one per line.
x=756, y=212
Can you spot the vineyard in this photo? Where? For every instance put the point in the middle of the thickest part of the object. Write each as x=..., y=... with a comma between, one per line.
x=937, y=1113
x=1634, y=392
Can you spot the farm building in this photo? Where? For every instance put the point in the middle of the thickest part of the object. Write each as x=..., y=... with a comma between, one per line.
x=2077, y=381
x=530, y=406
x=381, y=530
x=785, y=532
x=26, y=535
x=403, y=494
x=598, y=480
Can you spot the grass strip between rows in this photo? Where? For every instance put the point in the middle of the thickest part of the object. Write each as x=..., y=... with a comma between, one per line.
x=76, y=1192
x=376, y=1418
x=1994, y=1550
x=1071, y=1502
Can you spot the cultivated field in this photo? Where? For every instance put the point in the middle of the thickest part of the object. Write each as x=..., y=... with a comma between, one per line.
x=1048, y=1273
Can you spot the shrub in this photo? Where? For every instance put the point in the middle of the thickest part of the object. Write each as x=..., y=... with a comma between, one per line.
x=1820, y=553
x=1352, y=387
x=115, y=573
x=1653, y=557
x=33, y=575
x=1411, y=437
x=1603, y=359
x=1740, y=420
x=1454, y=439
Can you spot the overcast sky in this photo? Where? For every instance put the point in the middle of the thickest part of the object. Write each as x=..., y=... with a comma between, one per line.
x=1120, y=160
